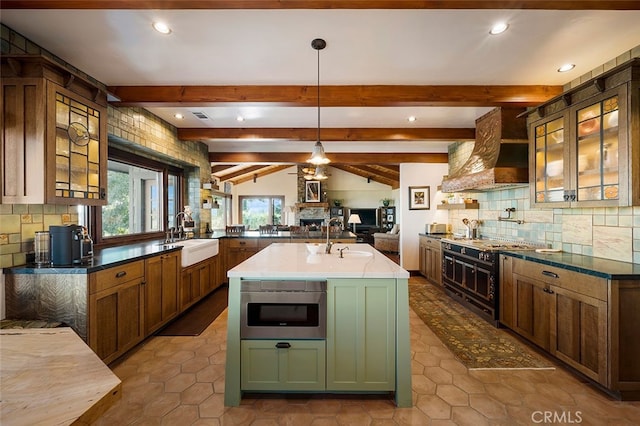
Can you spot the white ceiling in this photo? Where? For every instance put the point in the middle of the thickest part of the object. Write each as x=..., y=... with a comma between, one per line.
x=364, y=47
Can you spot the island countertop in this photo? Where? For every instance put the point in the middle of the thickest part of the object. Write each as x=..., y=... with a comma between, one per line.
x=291, y=260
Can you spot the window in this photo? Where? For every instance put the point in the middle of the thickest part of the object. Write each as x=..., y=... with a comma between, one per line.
x=260, y=210
x=143, y=198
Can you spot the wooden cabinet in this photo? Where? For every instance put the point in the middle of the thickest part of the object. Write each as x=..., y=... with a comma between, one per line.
x=430, y=259
x=387, y=216
x=54, y=135
x=581, y=148
x=193, y=282
x=562, y=311
x=361, y=336
x=161, y=290
x=116, y=310
x=283, y=365
x=239, y=250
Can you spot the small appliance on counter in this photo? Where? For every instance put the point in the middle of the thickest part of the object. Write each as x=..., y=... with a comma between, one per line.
x=435, y=228
x=70, y=245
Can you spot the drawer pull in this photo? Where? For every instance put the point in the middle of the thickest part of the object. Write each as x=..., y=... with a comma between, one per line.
x=121, y=274
x=547, y=290
x=283, y=345
x=550, y=274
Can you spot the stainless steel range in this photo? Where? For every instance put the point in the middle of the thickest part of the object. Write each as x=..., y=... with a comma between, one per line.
x=470, y=272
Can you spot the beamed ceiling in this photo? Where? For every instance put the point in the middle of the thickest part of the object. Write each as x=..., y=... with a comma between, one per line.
x=384, y=61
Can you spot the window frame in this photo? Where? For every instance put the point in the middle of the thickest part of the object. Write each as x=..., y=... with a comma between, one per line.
x=241, y=198
x=95, y=215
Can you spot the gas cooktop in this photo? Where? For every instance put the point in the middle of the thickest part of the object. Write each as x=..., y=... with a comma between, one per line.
x=493, y=244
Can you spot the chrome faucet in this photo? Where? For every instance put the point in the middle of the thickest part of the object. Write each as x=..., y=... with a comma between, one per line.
x=327, y=249
x=180, y=224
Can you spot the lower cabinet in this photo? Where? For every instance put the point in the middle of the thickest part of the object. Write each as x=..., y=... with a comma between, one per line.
x=562, y=311
x=430, y=259
x=161, y=293
x=361, y=338
x=116, y=310
x=283, y=365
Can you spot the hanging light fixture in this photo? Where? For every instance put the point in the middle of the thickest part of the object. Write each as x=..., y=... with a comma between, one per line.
x=320, y=173
x=317, y=155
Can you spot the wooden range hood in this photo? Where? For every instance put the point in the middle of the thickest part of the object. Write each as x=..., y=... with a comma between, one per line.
x=500, y=156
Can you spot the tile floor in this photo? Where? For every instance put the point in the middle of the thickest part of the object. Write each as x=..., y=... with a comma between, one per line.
x=180, y=381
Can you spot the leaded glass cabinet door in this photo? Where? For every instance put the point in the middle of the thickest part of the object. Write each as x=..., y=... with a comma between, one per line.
x=597, y=152
x=550, y=161
x=77, y=148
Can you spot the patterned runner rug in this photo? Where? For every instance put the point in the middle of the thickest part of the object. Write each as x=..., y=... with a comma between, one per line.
x=476, y=343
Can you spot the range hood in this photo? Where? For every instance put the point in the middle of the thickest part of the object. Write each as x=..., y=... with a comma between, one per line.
x=500, y=156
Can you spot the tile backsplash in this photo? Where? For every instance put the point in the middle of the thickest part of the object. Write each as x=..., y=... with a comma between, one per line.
x=607, y=232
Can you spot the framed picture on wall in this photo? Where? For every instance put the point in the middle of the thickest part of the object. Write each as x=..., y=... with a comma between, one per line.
x=419, y=198
x=312, y=191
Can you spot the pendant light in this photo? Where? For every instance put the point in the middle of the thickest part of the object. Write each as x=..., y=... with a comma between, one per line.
x=320, y=173
x=317, y=155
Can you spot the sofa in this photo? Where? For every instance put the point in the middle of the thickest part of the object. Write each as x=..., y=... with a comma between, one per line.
x=387, y=241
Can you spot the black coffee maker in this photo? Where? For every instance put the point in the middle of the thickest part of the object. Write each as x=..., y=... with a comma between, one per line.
x=70, y=245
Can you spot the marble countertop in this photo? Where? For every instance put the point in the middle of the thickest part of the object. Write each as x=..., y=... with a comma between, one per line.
x=599, y=267
x=50, y=376
x=293, y=260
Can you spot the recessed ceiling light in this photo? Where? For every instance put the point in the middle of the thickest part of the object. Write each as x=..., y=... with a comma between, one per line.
x=179, y=116
x=566, y=67
x=161, y=27
x=499, y=28
x=239, y=118
x=411, y=119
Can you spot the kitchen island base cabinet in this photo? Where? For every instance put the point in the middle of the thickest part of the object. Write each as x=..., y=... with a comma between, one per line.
x=283, y=365
x=361, y=335
x=367, y=325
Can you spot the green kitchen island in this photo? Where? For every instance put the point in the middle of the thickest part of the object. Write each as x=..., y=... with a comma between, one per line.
x=366, y=349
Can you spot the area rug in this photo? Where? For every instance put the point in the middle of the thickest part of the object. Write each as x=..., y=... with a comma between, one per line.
x=198, y=317
x=476, y=343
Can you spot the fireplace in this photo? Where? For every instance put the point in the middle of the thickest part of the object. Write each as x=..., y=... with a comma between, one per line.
x=312, y=223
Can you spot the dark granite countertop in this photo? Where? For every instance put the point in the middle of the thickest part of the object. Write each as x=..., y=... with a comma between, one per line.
x=599, y=267
x=281, y=234
x=436, y=236
x=102, y=259
x=114, y=256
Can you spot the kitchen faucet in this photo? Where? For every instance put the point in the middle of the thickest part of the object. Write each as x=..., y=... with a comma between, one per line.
x=180, y=225
x=327, y=249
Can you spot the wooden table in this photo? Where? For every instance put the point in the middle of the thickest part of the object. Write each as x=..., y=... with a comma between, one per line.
x=50, y=376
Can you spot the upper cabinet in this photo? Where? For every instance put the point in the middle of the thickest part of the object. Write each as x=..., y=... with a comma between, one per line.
x=585, y=144
x=54, y=134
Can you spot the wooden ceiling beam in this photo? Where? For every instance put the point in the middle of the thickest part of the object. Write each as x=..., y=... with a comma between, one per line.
x=336, y=158
x=240, y=172
x=377, y=172
x=323, y=4
x=264, y=171
x=327, y=134
x=357, y=170
x=334, y=96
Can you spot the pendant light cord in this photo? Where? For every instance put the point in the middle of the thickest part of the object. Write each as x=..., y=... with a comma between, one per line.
x=318, y=95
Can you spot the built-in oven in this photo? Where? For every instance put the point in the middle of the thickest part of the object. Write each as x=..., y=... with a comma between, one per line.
x=283, y=309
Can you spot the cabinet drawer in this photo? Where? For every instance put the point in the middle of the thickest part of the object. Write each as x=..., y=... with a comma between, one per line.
x=587, y=285
x=243, y=243
x=115, y=276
